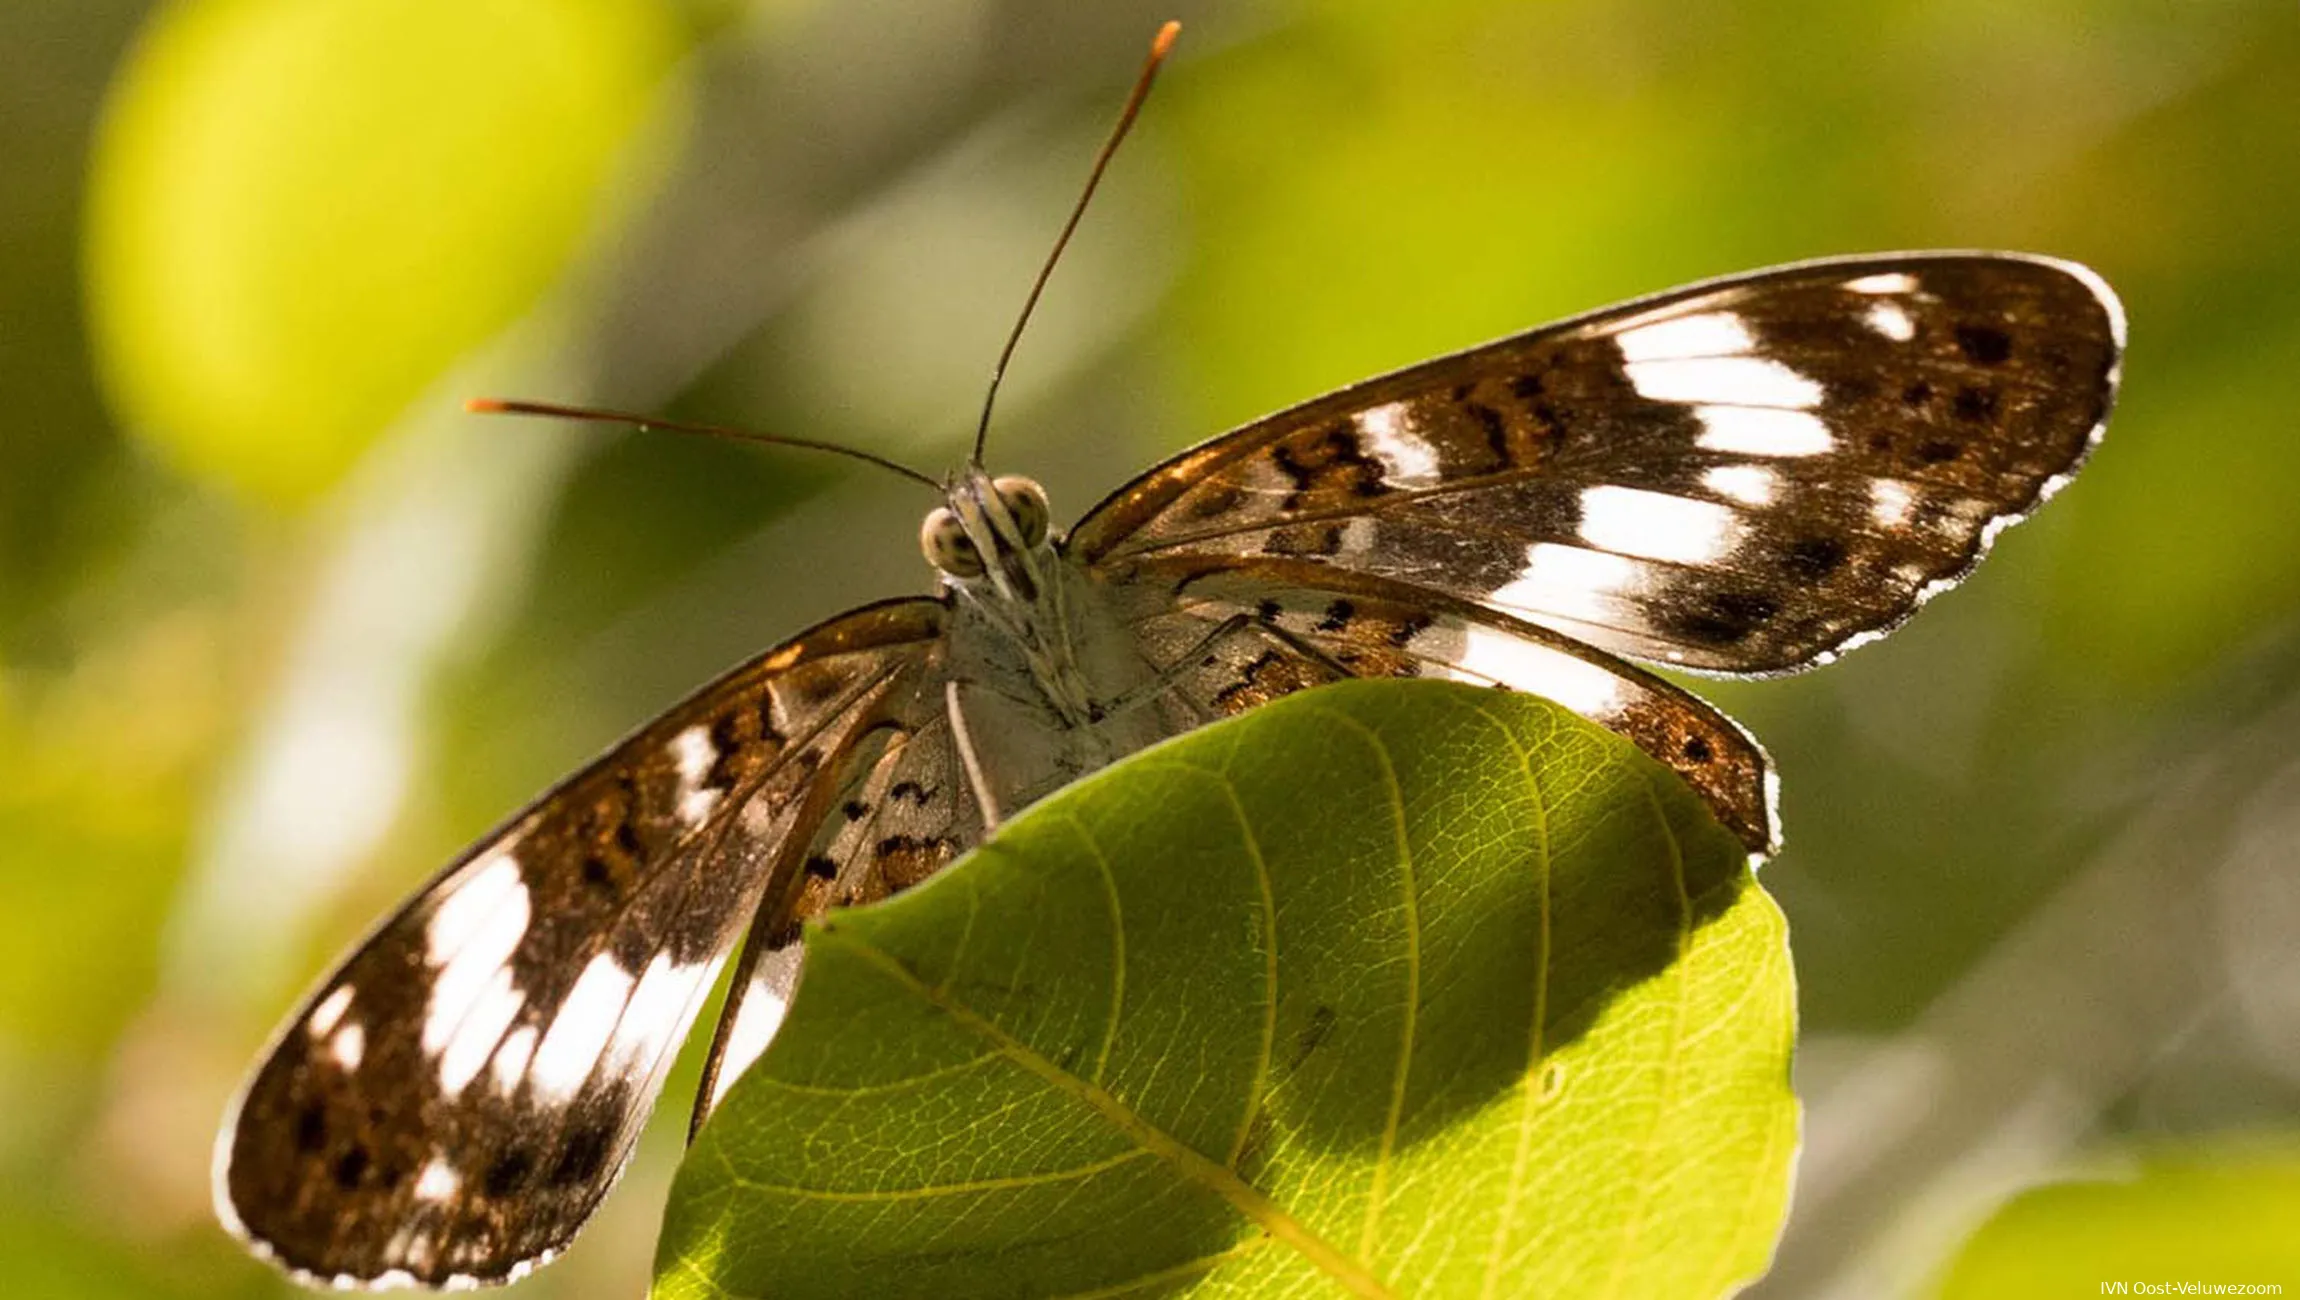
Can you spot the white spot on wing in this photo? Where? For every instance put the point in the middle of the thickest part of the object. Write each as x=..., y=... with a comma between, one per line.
x=1884, y=282
x=579, y=1032
x=1407, y=459
x=1630, y=521
x=1489, y=655
x=348, y=1046
x=438, y=1181
x=694, y=753
x=1890, y=320
x=1751, y=485
x=773, y=982
x=1570, y=582
x=329, y=1011
x=471, y=904
x=657, y=1009
x=510, y=1064
x=1762, y=431
x=475, y=931
x=474, y=1040
x=1889, y=502
x=695, y=807
x=1733, y=381
x=1710, y=334
x=1382, y=421
x=1359, y=536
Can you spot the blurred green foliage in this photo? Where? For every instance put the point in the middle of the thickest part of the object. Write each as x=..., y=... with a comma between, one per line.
x=243, y=245
x=2213, y=1217
x=300, y=215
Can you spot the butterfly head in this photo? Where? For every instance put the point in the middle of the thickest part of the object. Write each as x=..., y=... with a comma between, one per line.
x=990, y=533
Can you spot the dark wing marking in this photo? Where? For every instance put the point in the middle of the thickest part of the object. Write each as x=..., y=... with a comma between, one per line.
x=1747, y=476
x=1304, y=624
x=452, y=1102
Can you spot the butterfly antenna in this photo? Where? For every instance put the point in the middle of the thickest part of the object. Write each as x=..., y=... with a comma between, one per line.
x=495, y=406
x=1159, y=45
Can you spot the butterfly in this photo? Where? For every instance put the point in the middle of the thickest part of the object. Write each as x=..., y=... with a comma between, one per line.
x=1745, y=477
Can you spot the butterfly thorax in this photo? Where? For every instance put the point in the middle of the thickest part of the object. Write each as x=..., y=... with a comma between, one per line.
x=1042, y=665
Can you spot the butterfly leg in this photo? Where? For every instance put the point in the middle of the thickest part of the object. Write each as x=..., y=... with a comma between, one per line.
x=969, y=757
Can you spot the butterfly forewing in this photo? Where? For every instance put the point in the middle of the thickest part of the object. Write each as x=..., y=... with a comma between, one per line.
x=451, y=1103
x=1746, y=476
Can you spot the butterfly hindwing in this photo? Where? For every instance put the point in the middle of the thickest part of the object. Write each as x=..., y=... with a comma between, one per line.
x=902, y=816
x=452, y=1102
x=1298, y=624
x=1742, y=477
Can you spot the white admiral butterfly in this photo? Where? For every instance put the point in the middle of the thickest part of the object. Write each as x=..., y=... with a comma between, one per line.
x=1744, y=477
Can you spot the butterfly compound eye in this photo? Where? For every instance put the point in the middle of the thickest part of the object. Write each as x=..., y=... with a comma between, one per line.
x=947, y=546
x=1026, y=501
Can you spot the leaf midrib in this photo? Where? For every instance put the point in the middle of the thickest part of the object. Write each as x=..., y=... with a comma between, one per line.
x=1223, y=1182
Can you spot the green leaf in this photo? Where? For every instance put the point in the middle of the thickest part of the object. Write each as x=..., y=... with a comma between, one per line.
x=300, y=214
x=1385, y=989
x=2214, y=1217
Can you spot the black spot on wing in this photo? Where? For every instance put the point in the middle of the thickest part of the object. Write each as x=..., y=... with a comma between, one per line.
x=1407, y=629
x=1720, y=618
x=584, y=1155
x=1496, y=429
x=1975, y=404
x=507, y=1173
x=311, y=1128
x=1813, y=558
x=1984, y=344
x=599, y=876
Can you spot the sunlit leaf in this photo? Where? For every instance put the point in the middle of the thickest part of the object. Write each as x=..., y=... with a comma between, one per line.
x=1389, y=989
x=300, y=213
x=2205, y=1217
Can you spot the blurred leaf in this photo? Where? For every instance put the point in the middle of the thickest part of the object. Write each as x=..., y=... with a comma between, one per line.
x=48, y=1256
x=99, y=772
x=2189, y=1216
x=1411, y=987
x=300, y=213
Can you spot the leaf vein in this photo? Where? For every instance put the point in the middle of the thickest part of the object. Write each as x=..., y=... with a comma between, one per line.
x=1409, y=890
x=1505, y=1222
x=1185, y=1160
x=1634, y=1223
x=937, y=1190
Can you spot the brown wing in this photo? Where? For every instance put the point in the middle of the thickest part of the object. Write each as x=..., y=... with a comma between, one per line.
x=451, y=1103
x=1743, y=477
x=1294, y=624
x=903, y=816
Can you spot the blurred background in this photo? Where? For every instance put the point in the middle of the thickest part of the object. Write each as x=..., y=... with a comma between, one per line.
x=280, y=627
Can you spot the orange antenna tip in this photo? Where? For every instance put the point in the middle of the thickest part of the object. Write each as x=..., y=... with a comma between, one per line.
x=484, y=406
x=1164, y=40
